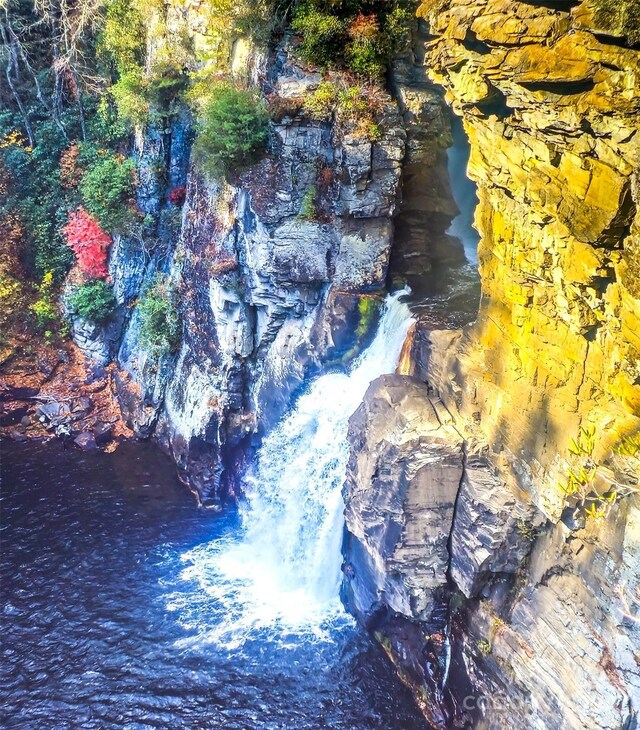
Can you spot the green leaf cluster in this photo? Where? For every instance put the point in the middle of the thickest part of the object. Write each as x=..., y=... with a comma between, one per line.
x=160, y=321
x=93, y=301
x=106, y=188
x=359, y=35
x=233, y=129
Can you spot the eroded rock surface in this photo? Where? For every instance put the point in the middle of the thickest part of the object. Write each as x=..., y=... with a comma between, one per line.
x=543, y=612
x=267, y=293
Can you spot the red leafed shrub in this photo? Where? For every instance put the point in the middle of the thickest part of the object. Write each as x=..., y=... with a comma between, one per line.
x=177, y=195
x=364, y=27
x=89, y=243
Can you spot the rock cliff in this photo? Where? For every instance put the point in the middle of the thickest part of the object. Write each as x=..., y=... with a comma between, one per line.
x=538, y=600
x=267, y=294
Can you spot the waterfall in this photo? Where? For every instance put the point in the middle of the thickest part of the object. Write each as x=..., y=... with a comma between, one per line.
x=283, y=571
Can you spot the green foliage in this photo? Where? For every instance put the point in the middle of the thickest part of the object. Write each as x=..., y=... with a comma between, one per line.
x=368, y=310
x=139, y=94
x=258, y=19
x=484, y=647
x=167, y=84
x=139, y=97
x=106, y=189
x=233, y=129
x=31, y=188
x=160, y=322
x=105, y=124
x=131, y=96
x=356, y=107
x=308, y=208
x=93, y=301
x=619, y=16
x=123, y=37
x=361, y=35
x=45, y=308
x=595, y=487
x=321, y=103
x=322, y=34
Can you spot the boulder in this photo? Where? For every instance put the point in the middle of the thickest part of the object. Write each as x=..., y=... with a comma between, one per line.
x=86, y=441
x=402, y=481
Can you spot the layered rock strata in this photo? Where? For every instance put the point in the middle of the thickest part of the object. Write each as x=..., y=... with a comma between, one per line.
x=543, y=608
x=268, y=294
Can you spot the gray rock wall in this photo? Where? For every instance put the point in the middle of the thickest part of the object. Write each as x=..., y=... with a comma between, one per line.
x=267, y=297
x=496, y=617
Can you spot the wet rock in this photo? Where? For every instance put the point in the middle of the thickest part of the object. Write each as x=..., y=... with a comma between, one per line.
x=10, y=392
x=402, y=481
x=102, y=433
x=86, y=441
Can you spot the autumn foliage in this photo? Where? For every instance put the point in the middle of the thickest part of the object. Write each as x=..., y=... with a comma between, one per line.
x=89, y=243
x=178, y=195
x=70, y=170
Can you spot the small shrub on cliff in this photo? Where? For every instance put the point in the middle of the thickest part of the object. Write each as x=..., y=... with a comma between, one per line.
x=308, y=208
x=131, y=96
x=93, y=301
x=107, y=188
x=233, y=130
x=280, y=107
x=322, y=34
x=89, y=243
x=167, y=85
x=177, y=195
x=321, y=103
x=160, y=323
x=355, y=106
x=593, y=487
x=45, y=308
x=139, y=96
x=365, y=52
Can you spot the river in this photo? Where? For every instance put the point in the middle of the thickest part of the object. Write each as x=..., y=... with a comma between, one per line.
x=125, y=606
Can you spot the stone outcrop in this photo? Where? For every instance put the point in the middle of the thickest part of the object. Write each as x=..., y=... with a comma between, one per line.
x=542, y=617
x=495, y=616
x=267, y=296
x=551, y=111
x=400, y=493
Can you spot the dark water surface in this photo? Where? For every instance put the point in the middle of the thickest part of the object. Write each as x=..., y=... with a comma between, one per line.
x=90, y=570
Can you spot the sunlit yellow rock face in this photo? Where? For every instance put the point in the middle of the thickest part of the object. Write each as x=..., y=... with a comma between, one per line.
x=552, y=111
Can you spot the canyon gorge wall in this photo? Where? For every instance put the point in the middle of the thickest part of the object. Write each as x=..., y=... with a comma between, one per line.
x=266, y=293
x=501, y=602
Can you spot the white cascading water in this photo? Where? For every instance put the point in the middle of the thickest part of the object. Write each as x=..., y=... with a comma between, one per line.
x=283, y=571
